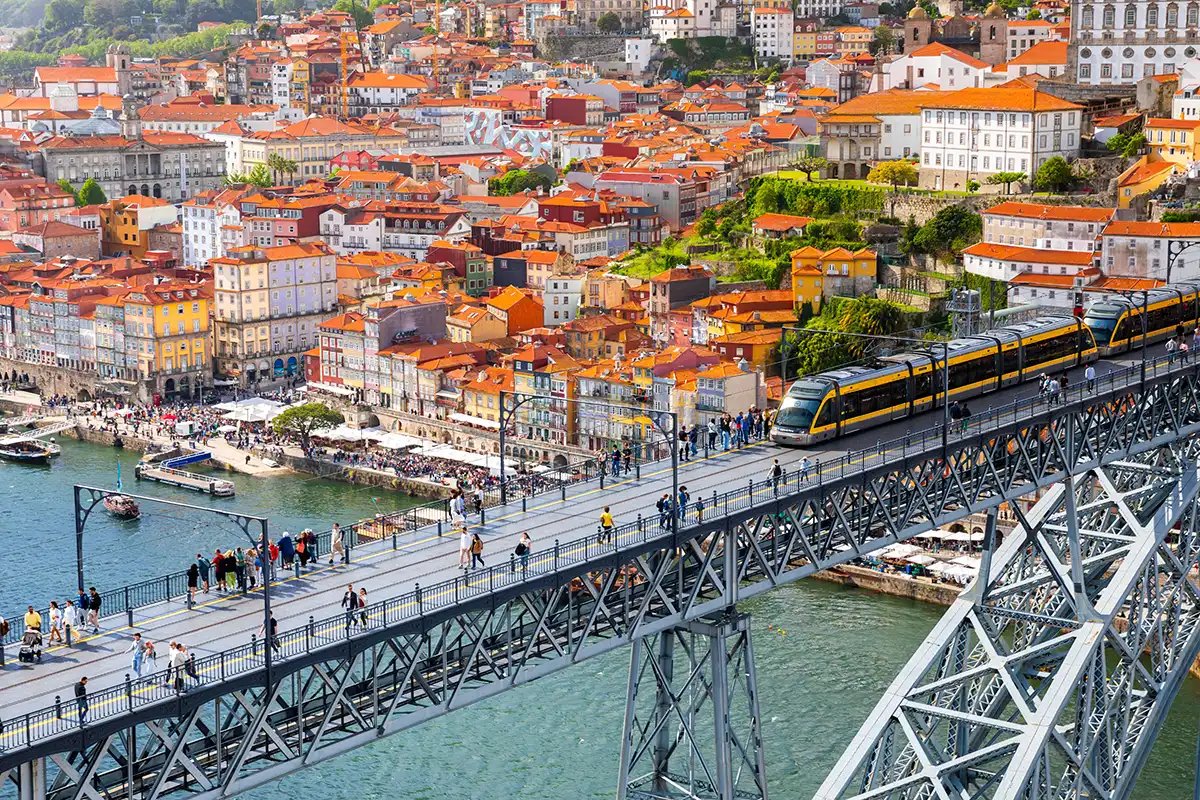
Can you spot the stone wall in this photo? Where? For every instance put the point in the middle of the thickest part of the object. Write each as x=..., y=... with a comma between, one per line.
x=597, y=47
x=924, y=207
x=476, y=440
x=942, y=594
x=359, y=476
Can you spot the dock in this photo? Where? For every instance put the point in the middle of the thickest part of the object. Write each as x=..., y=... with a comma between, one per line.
x=218, y=487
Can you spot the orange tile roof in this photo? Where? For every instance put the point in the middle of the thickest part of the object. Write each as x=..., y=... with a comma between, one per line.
x=1178, y=124
x=1048, y=281
x=939, y=49
x=1037, y=211
x=1174, y=230
x=780, y=222
x=1003, y=98
x=1007, y=252
x=1146, y=171
x=1052, y=53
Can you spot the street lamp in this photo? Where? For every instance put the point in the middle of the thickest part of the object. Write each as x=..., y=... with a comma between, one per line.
x=924, y=343
x=88, y=497
x=657, y=418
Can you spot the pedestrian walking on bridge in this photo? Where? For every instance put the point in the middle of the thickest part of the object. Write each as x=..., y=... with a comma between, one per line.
x=476, y=551
x=81, y=703
x=337, y=550
x=350, y=604
x=606, y=526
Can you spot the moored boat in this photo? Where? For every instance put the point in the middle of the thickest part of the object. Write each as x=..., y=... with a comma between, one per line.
x=28, y=451
x=122, y=506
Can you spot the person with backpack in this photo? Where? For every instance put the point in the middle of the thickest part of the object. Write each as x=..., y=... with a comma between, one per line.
x=776, y=475
x=218, y=566
x=664, y=510
x=476, y=550
x=522, y=551
x=204, y=566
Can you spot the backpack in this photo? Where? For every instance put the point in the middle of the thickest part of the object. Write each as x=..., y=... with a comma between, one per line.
x=3, y=627
x=660, y=504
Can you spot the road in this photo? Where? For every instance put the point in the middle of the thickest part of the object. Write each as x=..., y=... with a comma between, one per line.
x=220, y=622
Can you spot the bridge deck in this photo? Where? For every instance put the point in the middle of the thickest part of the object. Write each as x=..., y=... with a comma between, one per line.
x=220, y=622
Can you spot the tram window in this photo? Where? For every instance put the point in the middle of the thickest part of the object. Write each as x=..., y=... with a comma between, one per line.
x=1164, y=317
x=921, y=388
x=1126, y=328
x=980, y=368
x=825, y=417
x=850, y=405
x=1049, y=349
x=1086, y=340
x=1188, y=309
x=882, y=396
x=1011, y=360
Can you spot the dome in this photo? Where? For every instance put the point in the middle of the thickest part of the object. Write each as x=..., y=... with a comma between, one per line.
x=918, y=13
x=994, y=11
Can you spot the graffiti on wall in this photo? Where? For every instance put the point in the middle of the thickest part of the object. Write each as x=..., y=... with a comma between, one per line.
x=486, y=128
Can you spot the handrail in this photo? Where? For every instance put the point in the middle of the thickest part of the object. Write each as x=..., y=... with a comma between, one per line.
x=343, y=626
x=172, y=585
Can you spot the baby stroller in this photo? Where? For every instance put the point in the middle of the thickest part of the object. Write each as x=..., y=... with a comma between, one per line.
x=31, y=646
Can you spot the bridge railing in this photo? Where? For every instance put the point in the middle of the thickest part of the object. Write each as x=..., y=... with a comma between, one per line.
x=509, y=570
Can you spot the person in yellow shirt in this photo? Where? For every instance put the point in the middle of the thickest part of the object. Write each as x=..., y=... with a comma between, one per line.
x=606, y=526
x=33, y=619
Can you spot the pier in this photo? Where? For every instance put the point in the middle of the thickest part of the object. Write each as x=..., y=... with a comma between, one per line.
x=218, y=487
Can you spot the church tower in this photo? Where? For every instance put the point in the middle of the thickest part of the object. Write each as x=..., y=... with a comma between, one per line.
x=120, y=59
x=993, y=36
x=918, y=29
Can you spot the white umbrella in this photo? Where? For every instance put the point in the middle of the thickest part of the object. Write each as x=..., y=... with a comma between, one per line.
x=899, y=550
x=968, y=562
x=227, y=429
x=921, y=558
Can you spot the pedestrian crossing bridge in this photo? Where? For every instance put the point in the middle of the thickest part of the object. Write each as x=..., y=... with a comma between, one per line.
x=1032, y=687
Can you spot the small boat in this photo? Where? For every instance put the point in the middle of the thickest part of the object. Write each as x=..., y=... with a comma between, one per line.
x=28, y=451
x=118, y=442
x=122, y=506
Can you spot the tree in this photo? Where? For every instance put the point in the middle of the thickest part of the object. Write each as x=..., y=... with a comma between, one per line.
x=516, y=181
x=883, y=42
x=259, y=176
x=1054, y=176
x=1033, y=14
x=1005, y=178
x=281, y=166
x=950, y=230
x=972, y=186
x=66, y=186
x=90, y=194
x=264, y=31
x=304, y=420
x=707, y=224
x=810, y=164
x=894, y=173
x=356, y=9
x=609, y=23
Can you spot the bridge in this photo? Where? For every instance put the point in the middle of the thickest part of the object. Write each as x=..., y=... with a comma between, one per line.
x=1032, y=686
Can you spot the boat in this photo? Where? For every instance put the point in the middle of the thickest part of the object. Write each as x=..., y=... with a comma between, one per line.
x=122, y=506
x=28, y=451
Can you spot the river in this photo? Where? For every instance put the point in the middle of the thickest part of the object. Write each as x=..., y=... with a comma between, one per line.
x=831, y=653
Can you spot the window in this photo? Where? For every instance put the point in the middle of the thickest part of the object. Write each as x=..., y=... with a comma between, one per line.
x=1130, y=16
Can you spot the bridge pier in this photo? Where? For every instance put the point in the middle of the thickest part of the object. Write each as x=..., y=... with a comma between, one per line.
x=692, y=724
x=31, y=778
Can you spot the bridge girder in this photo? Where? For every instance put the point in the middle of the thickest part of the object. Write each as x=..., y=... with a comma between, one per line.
x=427, y=653
x=1051, y=676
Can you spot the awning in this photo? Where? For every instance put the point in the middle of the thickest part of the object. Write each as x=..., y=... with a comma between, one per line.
x=224, y=382
x=920, y=558
x=329, y=387
x=469, y=419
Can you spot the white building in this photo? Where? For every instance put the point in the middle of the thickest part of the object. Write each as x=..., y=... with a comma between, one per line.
x=382, y=92
x=773, y=35
x=638, y=51
x=561, y=297
x=672, y=23
x=938, y=66
x=281, y=83
x=817, y=9
x=1123, y=42
x=203, y=220
x=1025, y=33
x=1044, y=227
x=974, y=133
x=1048, y=59
x=1141, y=249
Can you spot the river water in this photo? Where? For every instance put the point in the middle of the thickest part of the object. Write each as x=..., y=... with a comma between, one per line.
x=831, y=653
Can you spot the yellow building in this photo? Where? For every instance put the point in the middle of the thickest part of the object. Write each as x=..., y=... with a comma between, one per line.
x=481, y=396
x=757, y=348
x=166, y=325
x=1173, y=139
x=804, y=45
x=1146, y=175
x=125, y=224
x=853, y=40
x=474, y=324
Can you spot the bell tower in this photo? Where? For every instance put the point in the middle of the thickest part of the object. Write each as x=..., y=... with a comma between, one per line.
x=993, y=36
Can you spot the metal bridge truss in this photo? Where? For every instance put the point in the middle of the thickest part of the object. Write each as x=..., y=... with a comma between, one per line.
x=1051, y=676
x=344, y=691
x=703, y=713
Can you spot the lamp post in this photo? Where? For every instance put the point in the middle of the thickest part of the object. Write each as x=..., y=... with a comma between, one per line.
x=945, y=345
x=518, y=399
x=86, y=498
